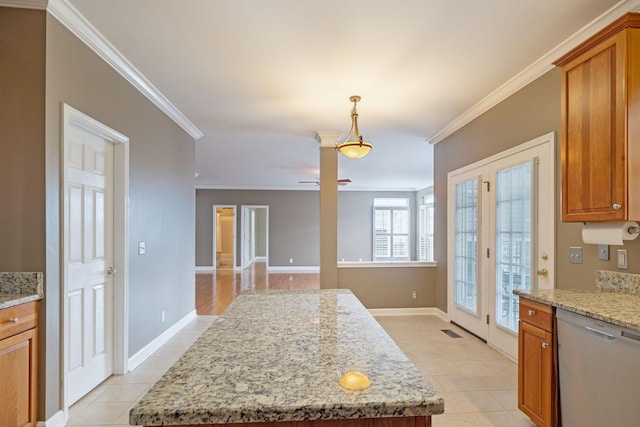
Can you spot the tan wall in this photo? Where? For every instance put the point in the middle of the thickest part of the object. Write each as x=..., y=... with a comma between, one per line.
x=161, y=197
x=22, y=121
x=390, y=287
x=531, y=112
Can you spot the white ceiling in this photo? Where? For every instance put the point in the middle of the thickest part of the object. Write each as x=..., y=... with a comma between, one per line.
x=259, y=78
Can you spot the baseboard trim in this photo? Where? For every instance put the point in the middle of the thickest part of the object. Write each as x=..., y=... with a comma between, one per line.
x=418, y=311
x=161, y=339
x=57, y=420
x=294, y=269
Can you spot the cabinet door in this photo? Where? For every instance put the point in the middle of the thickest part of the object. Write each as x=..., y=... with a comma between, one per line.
x=535, y=368
x=18, y=379
x=593, y=134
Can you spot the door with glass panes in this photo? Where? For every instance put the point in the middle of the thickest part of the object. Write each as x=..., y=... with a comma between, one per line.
x=500, y=239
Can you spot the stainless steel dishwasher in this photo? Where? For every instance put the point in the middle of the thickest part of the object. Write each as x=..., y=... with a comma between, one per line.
x=599, y=367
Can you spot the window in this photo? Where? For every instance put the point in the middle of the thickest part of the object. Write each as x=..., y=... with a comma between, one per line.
x=391, y=229
x=425, y=230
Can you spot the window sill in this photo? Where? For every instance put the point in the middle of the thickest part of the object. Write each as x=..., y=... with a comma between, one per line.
x=385, y=264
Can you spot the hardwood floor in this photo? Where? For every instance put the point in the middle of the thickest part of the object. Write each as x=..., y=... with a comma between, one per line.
x=216, y=290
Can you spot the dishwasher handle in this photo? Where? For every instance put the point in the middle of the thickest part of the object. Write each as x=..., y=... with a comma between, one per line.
x=607, y=336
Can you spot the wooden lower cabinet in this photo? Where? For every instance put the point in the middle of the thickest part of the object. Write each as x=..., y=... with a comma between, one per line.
x=537, y=379
x=18, y=366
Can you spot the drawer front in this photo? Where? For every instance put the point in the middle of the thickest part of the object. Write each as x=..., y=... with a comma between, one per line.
x=536, y=314
x=19, y=318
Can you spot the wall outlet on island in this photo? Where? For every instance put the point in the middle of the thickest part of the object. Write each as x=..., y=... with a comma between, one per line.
x=414, y=295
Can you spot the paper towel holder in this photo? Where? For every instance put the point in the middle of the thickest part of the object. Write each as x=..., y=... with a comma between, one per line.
x=634, y=230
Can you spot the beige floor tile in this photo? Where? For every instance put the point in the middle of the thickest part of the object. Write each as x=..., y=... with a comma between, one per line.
x=97, y=413
x=123, y=392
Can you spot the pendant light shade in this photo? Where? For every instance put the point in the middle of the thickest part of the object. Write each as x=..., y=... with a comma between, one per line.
x=356, y=147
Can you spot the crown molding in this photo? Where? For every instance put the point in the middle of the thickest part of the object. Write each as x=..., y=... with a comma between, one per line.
x=75, y=22
x=25, y=4
x=535, y=70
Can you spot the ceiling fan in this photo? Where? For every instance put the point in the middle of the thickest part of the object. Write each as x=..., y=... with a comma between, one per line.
x=317, y=181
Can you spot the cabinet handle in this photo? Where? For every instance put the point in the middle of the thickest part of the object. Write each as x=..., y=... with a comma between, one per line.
x=531, y=312
x=14, y=320
x=617, y=206
x=544, y=272
x=545, y=345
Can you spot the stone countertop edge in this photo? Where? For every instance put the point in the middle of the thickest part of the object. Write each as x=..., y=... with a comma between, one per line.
x=278, y=356
x=20, y=287
x=621, y=309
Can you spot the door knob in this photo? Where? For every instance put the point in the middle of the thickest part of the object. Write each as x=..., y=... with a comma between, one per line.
x=111, y=270
x=543, y=272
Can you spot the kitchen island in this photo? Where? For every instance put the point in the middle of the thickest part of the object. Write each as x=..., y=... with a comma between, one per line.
x=276, y=358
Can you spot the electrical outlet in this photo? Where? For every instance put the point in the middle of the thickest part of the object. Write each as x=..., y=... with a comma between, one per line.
x=162, y=316
x=142, y=248
x=623, y=259
x=290, y=260
x=414, y=295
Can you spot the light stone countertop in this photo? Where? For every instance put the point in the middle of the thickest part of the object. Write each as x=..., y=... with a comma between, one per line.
x=18, y=288
x=618, y=308
x=278, y=356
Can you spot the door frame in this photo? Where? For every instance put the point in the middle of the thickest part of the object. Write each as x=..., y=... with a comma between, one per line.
x=71, y=116
x=244, y=211
x=235, y=235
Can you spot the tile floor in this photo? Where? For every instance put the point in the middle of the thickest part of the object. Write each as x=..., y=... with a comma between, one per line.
x=479, y=385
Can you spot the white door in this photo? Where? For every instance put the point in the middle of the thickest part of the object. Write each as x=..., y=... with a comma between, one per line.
x=246, y=232
x=468, y=300
x=89, y=256
x=522, y=224
x=501, y=238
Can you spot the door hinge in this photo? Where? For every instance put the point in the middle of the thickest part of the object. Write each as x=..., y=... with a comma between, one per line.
x=488, y=252
x=487, y=319
x=488, y=185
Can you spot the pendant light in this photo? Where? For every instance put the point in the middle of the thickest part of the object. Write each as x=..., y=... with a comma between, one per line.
x=355, y=148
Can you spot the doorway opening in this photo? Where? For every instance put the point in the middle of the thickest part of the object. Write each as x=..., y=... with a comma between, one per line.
x=254, y=232
x=224, y=237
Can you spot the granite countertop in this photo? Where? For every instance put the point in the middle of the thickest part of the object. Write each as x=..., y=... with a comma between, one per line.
x=616, y=299
x=18, y=288
x=278, y=356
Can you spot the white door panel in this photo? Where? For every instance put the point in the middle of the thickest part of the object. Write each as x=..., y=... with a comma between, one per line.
x=468, y=303
x=89, y=251
x=514, y=224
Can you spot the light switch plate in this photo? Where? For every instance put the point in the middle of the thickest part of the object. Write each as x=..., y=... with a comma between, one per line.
x=575, y=254
x=142, y=248
x=603, y=252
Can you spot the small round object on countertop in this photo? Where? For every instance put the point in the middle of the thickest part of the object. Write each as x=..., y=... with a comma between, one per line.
x=354, y=381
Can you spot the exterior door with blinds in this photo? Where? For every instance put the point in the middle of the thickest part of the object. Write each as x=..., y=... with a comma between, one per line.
x=500, y=238
x=522, y=238
x=468, y=298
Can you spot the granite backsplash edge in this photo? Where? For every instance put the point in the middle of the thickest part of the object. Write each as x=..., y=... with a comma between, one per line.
x=21, y=283
x=615, y=281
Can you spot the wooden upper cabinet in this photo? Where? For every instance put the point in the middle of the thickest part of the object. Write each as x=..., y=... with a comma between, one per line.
x=601, y=125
